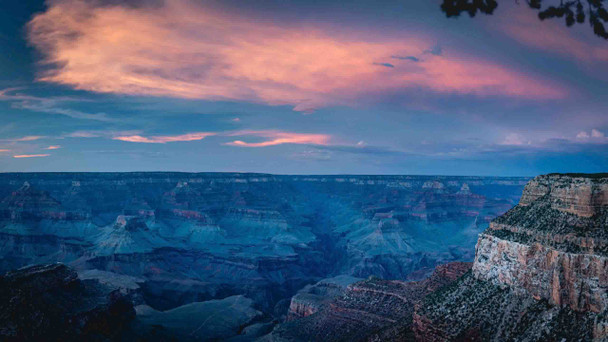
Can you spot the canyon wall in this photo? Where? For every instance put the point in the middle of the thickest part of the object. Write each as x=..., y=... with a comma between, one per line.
x=368, y=310
x=540, y=270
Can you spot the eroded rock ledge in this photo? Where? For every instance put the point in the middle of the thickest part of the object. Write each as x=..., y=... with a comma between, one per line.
x=540, y=271
x=553, y=244
x=369, y=310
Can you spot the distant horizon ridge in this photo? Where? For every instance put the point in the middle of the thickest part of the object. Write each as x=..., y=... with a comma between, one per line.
x=282, y=174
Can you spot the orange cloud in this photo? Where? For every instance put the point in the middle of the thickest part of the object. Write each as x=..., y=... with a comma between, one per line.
x=278, y=138
x=164, y=138
x=53, y=147
x=31, y=155
x=182, y=49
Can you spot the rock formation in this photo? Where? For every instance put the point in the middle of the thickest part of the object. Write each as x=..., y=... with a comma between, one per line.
x=369, y=310
x=313, y=298
x=214, y=320
x=49, y=303
x=540, y=271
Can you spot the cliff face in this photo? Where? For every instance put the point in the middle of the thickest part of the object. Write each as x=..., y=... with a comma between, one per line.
x=561, y=255
x=545, y=260
x=579, y=281
x=583, y=196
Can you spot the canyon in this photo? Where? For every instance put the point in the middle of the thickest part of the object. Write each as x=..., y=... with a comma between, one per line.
x=190, y=244
x=540, y=273
x=245, y=257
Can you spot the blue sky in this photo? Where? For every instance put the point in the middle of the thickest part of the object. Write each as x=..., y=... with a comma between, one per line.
x=372, y=87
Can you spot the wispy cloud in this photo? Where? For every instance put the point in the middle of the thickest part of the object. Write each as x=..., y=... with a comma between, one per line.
x=160, y=51
x=100, y=134
x=53, y=147
x=25, y=138
x=278, y=138
x=594, y=135
x=515, y=139
x=363, y=149
x=162, y=139
x=50, y=105
x=29, y=138
x=31, y=155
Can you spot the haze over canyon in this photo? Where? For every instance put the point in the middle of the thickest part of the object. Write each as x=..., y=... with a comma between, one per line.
x=174, y=239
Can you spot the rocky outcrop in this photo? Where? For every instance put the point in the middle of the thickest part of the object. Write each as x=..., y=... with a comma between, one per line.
x=540, y=270
x=370, y=310
x=50, y=303
x=316, y=297
x=561, y=255
x=582, y=195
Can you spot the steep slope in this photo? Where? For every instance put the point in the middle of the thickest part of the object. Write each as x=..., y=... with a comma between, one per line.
x=128, y=235
x=540, y=271
x=370, y=310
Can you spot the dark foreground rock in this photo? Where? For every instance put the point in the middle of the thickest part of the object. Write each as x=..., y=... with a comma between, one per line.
x=50, y=303
x=214, y=320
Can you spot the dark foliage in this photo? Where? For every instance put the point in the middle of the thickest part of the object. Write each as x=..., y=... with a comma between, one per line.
x=453, y=8
x=573, y=11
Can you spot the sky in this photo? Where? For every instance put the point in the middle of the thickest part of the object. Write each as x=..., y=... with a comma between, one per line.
x=298, y=87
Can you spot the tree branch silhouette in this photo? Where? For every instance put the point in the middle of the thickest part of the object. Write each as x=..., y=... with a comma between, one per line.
x=573, y=11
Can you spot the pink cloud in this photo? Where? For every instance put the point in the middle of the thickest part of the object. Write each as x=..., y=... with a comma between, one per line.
x=4, y=150
x=53, y=147
x=26, y=138
x=597, y=134
x=83, y=134
x=100, y=134
x=523, y=25
x=279, y=138
x=515, y=139
x=164, y=138
x=31, y=155
x=182, y=49
x=594, y=136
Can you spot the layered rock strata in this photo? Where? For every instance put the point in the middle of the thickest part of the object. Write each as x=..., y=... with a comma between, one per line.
x=540, y=270
x=370, y=310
